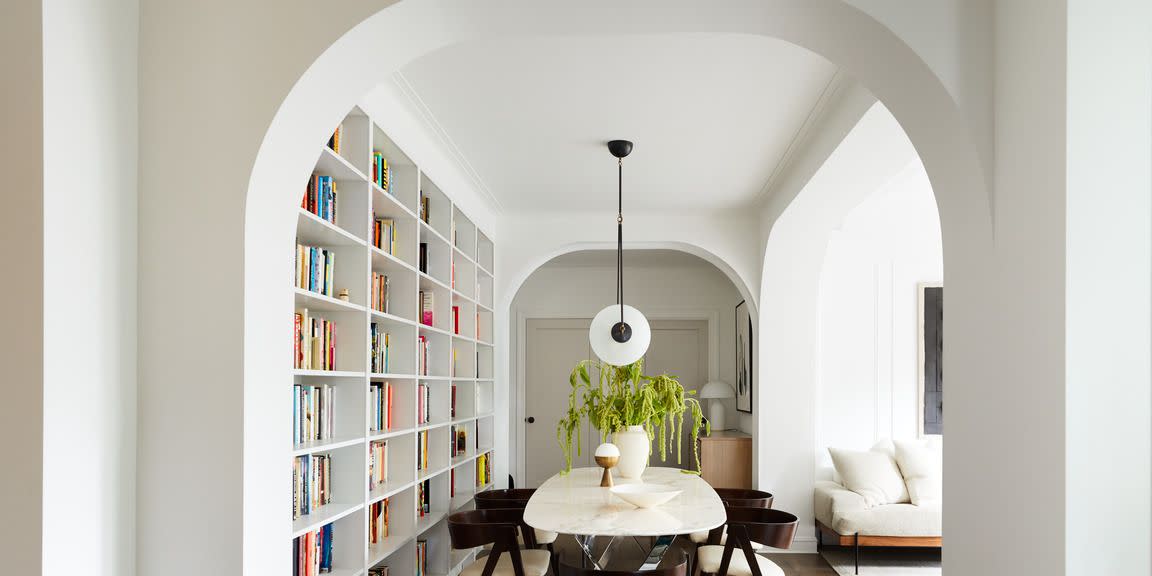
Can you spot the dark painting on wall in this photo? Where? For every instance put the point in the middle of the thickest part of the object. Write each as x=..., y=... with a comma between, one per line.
x=744, y=354
x=931, y=355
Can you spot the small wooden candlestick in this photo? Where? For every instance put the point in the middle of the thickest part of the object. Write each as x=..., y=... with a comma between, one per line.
x=607, y=456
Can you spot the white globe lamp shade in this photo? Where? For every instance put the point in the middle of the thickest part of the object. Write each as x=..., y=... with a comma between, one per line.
x=607, y=348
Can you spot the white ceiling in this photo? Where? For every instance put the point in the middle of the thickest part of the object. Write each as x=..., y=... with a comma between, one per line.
x=645, y=258
x=711, y=116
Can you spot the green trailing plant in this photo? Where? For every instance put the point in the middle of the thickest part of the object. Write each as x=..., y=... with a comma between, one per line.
x=624, y=396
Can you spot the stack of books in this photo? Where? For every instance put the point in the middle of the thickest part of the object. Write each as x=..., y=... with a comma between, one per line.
x=384, y=234
x=334, y=141
x=381, y=173
x=458, y=441
x=379, y=344
x=422, y=348
x=424, y=207
x=314, y=343
x=320, y=197
x=421, y=558
x=484, y=469
x=455, y=319
x=377, y=463
x=312, y=552
x=380, y=293
x=427, y=305
x=312, y=410
x=378, y=571
x=311, y=483
x=422, y=450
x=380, y=410
x=378, y=522
x=424, y=498
x=452, y=411
x=422, y=262
x=315, y=269
x=423, y=401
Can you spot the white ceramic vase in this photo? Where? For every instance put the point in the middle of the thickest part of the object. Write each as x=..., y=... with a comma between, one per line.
x=633, y=444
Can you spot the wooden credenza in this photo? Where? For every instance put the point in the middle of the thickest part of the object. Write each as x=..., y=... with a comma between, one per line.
x=726, y=459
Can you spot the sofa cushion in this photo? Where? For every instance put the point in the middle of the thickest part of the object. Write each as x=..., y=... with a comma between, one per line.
x=872, y=474
x=922, y=465
x=890, y=520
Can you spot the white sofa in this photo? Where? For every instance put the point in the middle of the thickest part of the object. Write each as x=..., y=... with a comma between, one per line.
x=888, y=496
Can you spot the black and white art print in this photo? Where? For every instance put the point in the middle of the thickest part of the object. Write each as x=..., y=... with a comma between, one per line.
x=744, y=354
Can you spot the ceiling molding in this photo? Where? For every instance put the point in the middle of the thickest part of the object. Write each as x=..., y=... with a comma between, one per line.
x=454, y=152
x=819, y=109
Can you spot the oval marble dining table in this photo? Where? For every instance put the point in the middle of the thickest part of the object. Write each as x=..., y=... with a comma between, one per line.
x=575, y=504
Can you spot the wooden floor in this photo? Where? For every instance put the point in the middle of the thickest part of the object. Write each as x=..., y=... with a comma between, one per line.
x=792, y=564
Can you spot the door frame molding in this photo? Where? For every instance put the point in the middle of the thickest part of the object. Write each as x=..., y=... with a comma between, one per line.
x=517, y=393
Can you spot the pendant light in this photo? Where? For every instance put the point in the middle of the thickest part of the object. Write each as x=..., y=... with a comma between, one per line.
x=620, y=333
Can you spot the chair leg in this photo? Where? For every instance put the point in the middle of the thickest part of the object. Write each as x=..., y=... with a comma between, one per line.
x=819, y=537
x=856, y=546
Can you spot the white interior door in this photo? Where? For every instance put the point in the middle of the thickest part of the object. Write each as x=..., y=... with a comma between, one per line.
x=552, y=349
x=679, y=348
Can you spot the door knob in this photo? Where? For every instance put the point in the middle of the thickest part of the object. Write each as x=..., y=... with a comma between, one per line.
x=530, y=419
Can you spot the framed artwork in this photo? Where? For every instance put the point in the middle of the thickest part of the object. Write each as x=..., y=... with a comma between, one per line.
x=744, y=355
x=930, y=355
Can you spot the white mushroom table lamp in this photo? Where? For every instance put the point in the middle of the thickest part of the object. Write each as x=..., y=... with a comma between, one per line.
x=714, y=391
x=607, y=456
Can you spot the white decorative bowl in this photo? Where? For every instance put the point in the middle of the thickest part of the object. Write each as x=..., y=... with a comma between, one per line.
x=645, y=495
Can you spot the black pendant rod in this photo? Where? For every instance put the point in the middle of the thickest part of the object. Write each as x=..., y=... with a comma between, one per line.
x=620, y=236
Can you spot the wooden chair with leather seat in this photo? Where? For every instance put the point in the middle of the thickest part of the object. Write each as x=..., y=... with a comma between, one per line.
x=518, y=498
x=498, y=527
x=771, y=528
x=739, y=498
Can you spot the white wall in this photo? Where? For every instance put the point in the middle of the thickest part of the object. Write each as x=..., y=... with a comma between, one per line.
x=1109, y=281
x=22, y=231
x=90, y=113
x=662, y=291
x=867, y=376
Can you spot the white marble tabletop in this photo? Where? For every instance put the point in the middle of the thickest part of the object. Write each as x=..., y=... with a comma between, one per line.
x=575, y=503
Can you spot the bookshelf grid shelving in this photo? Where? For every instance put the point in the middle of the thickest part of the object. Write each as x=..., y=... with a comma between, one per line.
x=446, y=256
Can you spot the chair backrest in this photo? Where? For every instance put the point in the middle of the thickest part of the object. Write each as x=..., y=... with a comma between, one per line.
x=510, y=498
x=745, y=498
x=498, y=526
x=766, y=526
x=677, y=566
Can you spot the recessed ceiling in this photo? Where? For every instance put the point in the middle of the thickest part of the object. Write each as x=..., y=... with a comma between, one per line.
x=711, y=116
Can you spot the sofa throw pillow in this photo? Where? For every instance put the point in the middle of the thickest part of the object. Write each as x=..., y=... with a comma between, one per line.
x=873, y=475
x=922, y=465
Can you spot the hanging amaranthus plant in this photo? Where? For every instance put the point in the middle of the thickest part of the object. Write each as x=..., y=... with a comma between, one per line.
x=624, y=396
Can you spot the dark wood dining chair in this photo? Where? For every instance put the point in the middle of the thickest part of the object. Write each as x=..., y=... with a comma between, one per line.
x=518, y=498
x=498, y=527
x=736, y=497
x=675, y=563
x=771, y=528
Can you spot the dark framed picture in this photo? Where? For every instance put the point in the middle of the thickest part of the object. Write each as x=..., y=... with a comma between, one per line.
x=930, y=350
x=744, y=354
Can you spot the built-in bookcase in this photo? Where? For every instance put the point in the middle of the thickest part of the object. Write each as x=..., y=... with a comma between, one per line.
x=405, y=389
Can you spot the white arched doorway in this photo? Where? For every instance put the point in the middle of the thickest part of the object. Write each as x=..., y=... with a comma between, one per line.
x=402, y=32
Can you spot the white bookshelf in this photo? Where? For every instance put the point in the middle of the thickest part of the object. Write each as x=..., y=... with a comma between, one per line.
x=459, y=275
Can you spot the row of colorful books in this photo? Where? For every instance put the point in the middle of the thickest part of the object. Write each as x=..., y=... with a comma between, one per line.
x=427, y=307
x=458, y=440
x=313, y=408
x=315, y=269
x=312, y=552
x=380, y=285
x=381, y=173
x=320, y=197
x=378, y=521
x=421, y=558
x=380, y=411
x=314, y=342
x=311, y=483
x=384, y=234
x=424, y=498
x=423, y=403
x=380, y=342
x=484, y=469
x=422, y=450
x=377, y=463
x=423, y=348
x=378, y=571
x=334, y=141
